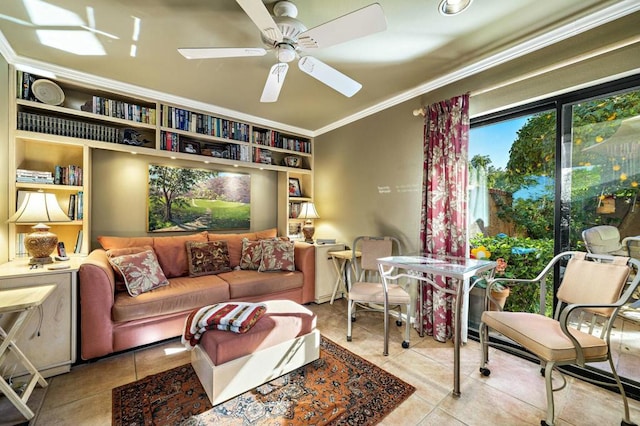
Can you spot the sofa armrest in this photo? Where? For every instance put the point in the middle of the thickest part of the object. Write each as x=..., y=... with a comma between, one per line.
x=97, y=289
x=305, y=260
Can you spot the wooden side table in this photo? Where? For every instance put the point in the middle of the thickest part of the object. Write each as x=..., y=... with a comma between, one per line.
x=22, y=301
x=340, y=260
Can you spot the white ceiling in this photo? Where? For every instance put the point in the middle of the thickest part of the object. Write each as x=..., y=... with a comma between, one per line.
x=419, y=50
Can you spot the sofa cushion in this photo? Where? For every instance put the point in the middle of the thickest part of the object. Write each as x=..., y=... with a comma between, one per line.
x=172, y=253
x=141, y=272
x=109, y=243
x=277, y=255
x=208, y=258
x=234, y=242
x=181, y=295
x=249, y=283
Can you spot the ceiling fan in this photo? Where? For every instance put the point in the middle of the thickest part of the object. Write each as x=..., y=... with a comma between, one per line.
x=287, y=37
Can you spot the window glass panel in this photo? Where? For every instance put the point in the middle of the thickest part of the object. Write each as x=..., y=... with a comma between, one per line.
x=511, y=201
x=604, y=182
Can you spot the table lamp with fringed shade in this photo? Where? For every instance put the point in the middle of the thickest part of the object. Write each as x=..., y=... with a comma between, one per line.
x=308, y=212
x=40, y=207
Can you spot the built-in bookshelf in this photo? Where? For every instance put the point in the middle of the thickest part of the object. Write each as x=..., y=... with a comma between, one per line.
x=68, y=119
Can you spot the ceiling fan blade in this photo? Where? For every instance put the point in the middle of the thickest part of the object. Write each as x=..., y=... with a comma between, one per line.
x=362, y=22
x=261, y=17
x=224, y=52
x=329, y=76
x=275, y=79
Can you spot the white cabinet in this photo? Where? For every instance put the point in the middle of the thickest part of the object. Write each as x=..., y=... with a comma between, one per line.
x=49, y=338
x=326, y=275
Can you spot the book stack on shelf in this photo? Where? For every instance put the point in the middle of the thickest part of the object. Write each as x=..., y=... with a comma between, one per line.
x=68, y=175
x=34, y=176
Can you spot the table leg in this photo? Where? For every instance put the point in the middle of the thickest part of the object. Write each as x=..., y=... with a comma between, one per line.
x=8, y=344
x=457, y=343
x=339, y=265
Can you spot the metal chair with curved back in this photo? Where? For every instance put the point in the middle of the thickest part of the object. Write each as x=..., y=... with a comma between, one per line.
x=591, y=284
x=368, y=294
x=605, y=239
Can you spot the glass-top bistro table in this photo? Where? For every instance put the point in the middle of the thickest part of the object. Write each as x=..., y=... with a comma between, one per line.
x=425, y=269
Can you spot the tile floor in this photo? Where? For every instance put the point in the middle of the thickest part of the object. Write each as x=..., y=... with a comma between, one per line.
x=512, y=395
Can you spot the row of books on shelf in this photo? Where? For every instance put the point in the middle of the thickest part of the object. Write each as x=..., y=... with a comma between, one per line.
x=275, y=139
x=65, y=127
x=21, y=251
x=69, y=175
x=120, y=109
x=181, y=119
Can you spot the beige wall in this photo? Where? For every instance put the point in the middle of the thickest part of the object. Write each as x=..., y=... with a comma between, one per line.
x=368, y=177
x=4, y=159
x=119, y=193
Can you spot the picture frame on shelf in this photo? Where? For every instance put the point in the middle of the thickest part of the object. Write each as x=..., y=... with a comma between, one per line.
x=190, y=147
x=294, y=187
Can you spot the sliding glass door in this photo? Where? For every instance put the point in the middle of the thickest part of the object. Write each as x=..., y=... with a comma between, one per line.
x=541, y=175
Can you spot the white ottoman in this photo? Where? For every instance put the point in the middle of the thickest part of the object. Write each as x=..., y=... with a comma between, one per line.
x=229, y=364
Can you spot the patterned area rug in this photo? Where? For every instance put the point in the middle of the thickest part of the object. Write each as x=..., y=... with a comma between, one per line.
x=338, y=388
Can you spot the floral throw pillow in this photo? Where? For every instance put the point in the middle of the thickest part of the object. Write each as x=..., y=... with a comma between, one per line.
x=121, y=252
x=277, y=255
x=141, y=271
x=251, y=254
x=207, y=258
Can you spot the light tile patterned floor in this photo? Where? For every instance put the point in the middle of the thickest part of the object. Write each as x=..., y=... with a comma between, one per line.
x=512, y=395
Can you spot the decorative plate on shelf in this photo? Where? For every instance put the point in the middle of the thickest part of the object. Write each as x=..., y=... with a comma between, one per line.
x=47, y=92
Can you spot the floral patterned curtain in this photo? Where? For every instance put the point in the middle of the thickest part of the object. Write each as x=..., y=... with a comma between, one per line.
x=444, y=202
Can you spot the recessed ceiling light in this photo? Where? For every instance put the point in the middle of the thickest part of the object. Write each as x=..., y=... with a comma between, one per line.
x=453, y=7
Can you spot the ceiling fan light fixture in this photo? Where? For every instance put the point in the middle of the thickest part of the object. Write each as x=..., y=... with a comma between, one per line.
x=286, y=53
x=453, y=7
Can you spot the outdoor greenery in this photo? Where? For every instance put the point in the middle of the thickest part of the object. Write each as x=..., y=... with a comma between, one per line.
x=595, y=174
x=525, y=258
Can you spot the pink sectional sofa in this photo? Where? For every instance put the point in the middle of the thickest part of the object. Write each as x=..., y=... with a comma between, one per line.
x=111, y=320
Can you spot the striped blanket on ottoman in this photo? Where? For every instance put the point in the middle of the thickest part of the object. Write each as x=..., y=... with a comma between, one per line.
x=237, y=317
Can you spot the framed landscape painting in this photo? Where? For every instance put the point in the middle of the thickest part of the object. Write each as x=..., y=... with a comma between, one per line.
x=187, y=199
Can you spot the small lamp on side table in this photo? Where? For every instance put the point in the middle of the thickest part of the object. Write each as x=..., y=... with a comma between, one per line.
x=40, y=207
x=308, y=212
